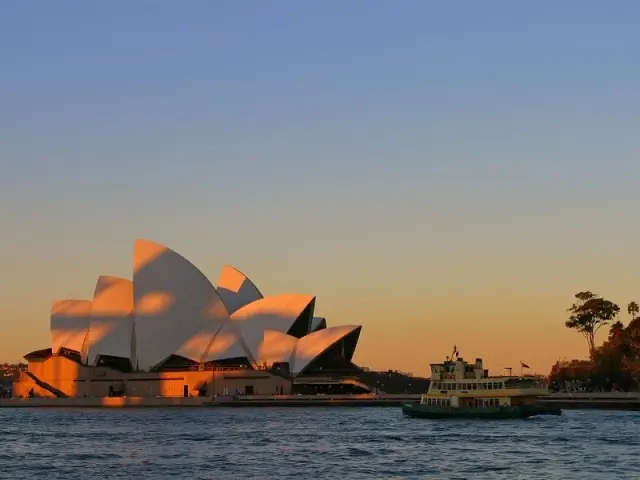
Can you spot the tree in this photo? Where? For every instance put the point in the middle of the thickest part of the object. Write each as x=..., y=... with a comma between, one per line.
x=616, y=334
x=633, y=310
x=588, y=314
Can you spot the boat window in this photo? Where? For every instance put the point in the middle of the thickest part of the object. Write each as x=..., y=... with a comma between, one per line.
x=490, y=385
x=473, y=386
x=523, y=383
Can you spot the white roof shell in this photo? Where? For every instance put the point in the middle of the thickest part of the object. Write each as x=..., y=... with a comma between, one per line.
x=278, y=312
x=276, y=347
x=227, y=343
x=171, y=308
x=70, y=324
x=235, y=289
x=311, y=346
x=111, y=326
x=176, y=309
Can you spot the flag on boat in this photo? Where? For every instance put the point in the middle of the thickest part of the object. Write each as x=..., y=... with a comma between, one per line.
x=524, y=365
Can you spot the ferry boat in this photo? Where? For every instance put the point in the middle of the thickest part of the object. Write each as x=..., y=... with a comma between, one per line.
x=462, y=390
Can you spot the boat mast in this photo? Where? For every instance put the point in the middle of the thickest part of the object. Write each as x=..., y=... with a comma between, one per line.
x=455, y=353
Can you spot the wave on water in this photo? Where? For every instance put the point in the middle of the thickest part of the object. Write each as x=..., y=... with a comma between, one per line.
x=323, y=443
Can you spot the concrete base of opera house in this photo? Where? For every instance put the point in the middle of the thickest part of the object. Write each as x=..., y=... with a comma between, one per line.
x=366, y=400
x=58, y=376
x=58, y=380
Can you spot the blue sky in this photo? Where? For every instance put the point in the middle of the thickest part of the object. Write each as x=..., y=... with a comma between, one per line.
x=380, y=154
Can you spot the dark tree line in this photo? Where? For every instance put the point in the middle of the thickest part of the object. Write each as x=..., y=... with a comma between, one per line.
x=616, y=363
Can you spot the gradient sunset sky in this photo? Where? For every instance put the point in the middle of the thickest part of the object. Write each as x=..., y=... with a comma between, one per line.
x=442, y=173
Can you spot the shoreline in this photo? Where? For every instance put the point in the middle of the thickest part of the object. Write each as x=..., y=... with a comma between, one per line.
x=565, y=401
x=208, y=402
x=627, y=401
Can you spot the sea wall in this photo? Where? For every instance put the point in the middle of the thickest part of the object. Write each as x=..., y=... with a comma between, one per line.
x=242, y=401
x=569, y=401
x=594, y=400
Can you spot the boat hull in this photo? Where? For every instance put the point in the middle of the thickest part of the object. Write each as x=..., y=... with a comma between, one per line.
x=490, y=413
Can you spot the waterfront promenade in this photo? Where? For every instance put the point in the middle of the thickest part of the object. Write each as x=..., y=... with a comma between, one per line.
x=594, y=400
x=569, y=401
x=365, y=400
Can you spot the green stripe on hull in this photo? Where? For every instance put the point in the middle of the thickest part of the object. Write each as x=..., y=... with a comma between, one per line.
x=489, y=413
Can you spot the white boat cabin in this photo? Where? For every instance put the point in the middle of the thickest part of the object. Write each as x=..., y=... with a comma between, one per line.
x=456, y=383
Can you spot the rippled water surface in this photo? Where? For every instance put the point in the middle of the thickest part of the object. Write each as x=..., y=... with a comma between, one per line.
x=346, y=443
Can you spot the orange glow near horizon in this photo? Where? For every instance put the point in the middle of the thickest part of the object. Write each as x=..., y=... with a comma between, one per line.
x=502, y=316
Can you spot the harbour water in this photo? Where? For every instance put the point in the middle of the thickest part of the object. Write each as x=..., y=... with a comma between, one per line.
x=310, y=443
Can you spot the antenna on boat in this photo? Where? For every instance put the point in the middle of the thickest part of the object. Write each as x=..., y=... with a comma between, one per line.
x=509, y=369
x=455, y=352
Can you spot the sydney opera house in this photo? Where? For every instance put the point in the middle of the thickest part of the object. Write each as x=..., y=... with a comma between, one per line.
x=171, y=332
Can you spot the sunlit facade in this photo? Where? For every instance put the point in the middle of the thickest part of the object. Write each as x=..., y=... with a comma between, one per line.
x=171, y=318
